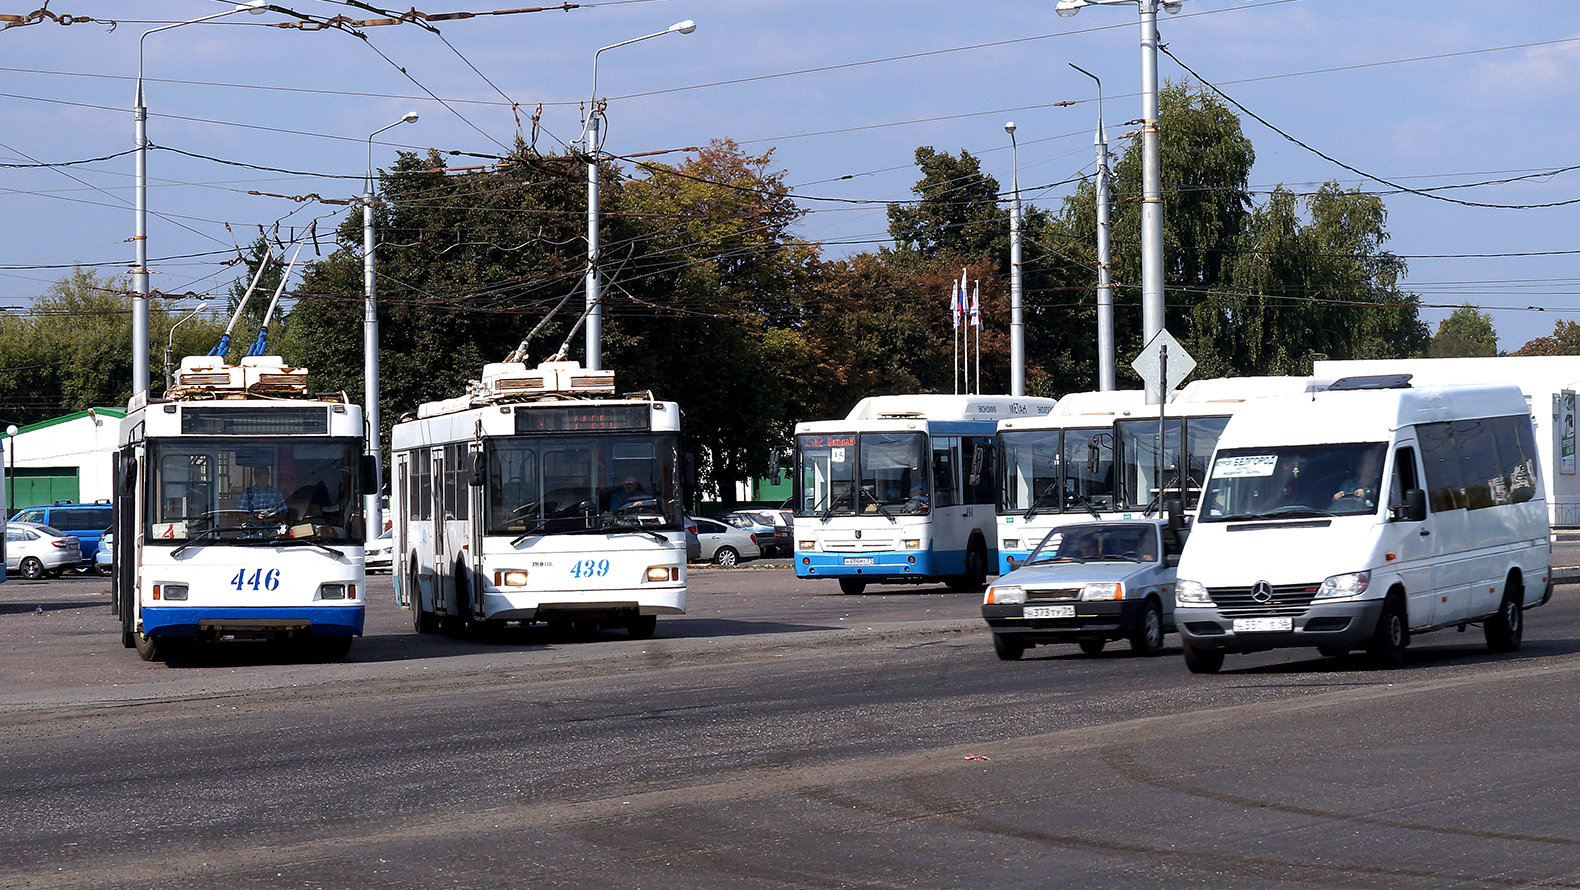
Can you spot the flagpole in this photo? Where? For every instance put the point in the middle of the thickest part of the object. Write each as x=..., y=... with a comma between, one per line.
x=976, y=316
x=954, y=335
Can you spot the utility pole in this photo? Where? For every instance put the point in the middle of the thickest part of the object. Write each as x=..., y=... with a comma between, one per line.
x=1017, y=331
x=1105, y=284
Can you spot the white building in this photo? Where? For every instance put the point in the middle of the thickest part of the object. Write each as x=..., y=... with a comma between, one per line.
x=64, y=459
x=1549, y=384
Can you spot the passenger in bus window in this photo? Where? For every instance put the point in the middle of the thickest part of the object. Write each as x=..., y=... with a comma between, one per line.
x=261, y=497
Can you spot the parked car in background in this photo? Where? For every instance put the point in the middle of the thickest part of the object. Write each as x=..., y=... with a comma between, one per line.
x=379, y=555
x=104, y=557
x=36, y=551
x=85, y=522
x=693, y=544
x=725, y=545
x=1089, y=583
x=777, y=537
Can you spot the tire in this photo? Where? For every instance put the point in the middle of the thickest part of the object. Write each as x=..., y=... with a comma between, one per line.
x=1387, y=644
x=852, y=586
x=1506, y=630
x=975, y=578
x=31, y=569
x=1008, y=648
x=149, y=648
x=1147, y=639
x=642, y=627
x=1093, y=647
x=1203, y=661
x=330, y=647
x=726, y=556
x=54, y=573
x=105, y=571
x=422, y=622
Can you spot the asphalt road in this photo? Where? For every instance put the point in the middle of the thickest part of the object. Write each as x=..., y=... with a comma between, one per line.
x=778, y=735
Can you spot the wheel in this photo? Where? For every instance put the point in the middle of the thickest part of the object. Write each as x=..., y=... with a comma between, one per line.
x=149, y=648
x=1009, y=648
x=642, y=627
x=726, y=556
x=422, y=621
x=975, y=577
x=1203, y=661
x=852, y=586
x=1093, y=647
x=106, y=571
x=54, y=573
x=31, y=568
x=329, y=647
x=1388, y=642
x=1506, y=629
x=1148, y=636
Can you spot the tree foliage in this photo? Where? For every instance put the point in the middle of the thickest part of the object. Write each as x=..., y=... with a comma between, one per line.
x=1564, y=340
x=1467, y=331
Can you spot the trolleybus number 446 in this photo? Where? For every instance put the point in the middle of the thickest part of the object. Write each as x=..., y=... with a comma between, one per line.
x=259, y=580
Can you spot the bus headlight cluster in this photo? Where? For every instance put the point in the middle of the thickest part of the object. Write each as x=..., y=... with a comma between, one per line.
x=511, y=578
x=1107, y=590
x=1012, y=543
x=172, y=592
x=337, y=591
x=663, y=573
x=1191, y=593
x=1008, y=595
x=1340, y=586
x=911, y=544
x=808, y=544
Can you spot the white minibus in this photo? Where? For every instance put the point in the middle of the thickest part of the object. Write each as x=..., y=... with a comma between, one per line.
x=1356, y=516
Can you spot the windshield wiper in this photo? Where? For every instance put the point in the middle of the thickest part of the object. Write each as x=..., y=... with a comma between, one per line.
x=199, y=537
x=867, y=490
x=1090, y=507
x=516, y=542
x=311, y=542
x=1039, y=501
x=632, y=527
x=823, y=517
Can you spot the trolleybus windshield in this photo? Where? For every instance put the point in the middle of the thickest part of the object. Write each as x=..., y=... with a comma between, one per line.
x=559, y=483
x=844, y=474
x=260, y=489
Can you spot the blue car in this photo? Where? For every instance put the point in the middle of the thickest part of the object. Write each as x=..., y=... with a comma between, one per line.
x=85, y=522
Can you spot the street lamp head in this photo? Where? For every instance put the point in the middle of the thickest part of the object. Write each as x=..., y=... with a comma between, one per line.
x=1010, y=128
x=409, y=117
x=685, y=27
x=256, y=7
x=1171, y=8
x=1069, y=7
x=11, y=430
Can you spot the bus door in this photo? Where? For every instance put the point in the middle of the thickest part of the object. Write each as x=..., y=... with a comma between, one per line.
x=442, y=588
x=473, y=490
x=401, y=504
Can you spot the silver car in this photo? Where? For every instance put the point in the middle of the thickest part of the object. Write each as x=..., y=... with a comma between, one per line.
x=35, y=551
x=725, y=545
x=1089, y=583
x=379, y=556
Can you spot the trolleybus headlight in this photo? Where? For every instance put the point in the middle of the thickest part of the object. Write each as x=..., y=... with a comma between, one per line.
x=176, y=592
x=1107, y=590
x=663, y=573
x=1012, y=543
x=512, y=578
x=1009, y=595
x=1339, y=586
x=808, y=544
x=912, y=544
x=331, y=591
x=1191, y=593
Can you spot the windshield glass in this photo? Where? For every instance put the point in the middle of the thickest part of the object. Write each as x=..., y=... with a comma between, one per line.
x=825, y=473
x=255, y=489
x=571, y=483
x=1030, y=479
x=843, y=474
x=1098, y=542
x=892, y=478
x=1294, y=481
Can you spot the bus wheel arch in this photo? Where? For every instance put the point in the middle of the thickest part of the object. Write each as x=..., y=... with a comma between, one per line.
x=423, y=621
x=1392, y=636
x=1506, y=629
x=975, y=576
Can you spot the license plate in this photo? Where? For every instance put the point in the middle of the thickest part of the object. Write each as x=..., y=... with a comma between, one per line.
x=1254, y=625
x=858, y=560
x=1048, y=612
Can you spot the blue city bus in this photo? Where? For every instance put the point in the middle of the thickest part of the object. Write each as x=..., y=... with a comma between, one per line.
x=902, y=490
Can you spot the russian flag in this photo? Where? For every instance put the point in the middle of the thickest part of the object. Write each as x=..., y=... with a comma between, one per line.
x=976, y=308
x=954, y=304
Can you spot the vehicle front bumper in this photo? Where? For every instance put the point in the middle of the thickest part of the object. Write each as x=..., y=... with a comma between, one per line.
x=884, y=565
x=1339, y=625
x=237, y=620
x=1094, y=620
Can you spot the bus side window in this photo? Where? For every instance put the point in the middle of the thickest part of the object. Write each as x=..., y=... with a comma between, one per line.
x=946, y=470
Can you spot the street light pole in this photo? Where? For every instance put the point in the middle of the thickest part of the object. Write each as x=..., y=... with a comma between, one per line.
x=140, y=204
x=1017, y=331
x=1151, y=175
x=1105, y=285
x=170, y=345
x=373, y=509
x=10, y=472
x=593, y=144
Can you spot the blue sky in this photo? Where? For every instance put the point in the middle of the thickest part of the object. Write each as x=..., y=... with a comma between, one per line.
x=1424, y=94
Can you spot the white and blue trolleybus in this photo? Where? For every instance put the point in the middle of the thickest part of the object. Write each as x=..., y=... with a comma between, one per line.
x=540, y=496
x=239, y=511
x=901, y=490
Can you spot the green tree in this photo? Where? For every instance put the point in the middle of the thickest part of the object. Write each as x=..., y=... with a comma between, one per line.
x=956, y=211
x=1564, y=340
x=1467, y=331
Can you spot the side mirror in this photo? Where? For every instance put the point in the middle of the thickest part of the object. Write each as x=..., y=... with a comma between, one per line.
x=1174, y=509
x=1413, y=509
x=368, y=474
x=128, y=474
x=479, y=468
x=1172, y=560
